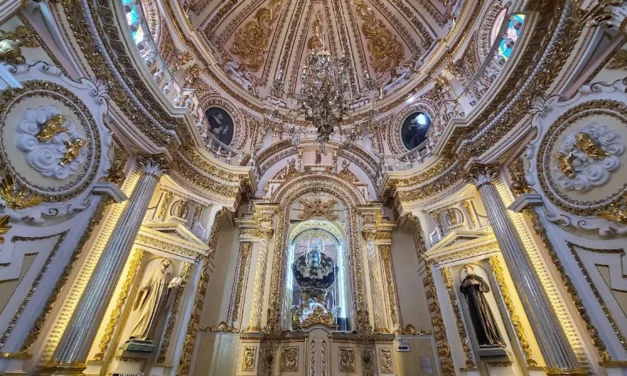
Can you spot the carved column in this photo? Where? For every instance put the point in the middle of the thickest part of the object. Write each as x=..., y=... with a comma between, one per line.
x=81, y=331
x=390, y=284
x=558, y=354
x=376, y=282
x=239, y=284
x=254, y=321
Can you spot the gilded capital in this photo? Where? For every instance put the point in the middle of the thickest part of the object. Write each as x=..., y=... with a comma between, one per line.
x=481, y=175
x=152, y=165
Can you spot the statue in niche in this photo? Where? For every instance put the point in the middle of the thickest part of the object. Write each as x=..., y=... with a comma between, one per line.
x=152, y=300
x=474, y=288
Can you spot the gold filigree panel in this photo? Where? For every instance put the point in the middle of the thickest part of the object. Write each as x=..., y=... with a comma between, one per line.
x=289, y=359
x=252, y=39
x=386, y=52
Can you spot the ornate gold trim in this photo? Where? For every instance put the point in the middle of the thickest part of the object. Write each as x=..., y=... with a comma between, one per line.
x=33, y=287
x=461, y=329
x=594, y=289
x=240, y=281
x=499, y=275
x=35, y=330
x=540, y=231
x=176, y=306
x=386, y=255
x=114, y=317
x=439, y=329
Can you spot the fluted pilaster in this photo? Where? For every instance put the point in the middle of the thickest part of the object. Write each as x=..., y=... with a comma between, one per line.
x=78, y=337
x=552, y=340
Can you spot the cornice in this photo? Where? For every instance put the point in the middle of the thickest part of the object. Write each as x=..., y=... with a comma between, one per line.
x=97, y=40
x=510, y=104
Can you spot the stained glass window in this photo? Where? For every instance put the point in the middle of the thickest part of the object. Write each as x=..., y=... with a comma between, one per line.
x=507, y=43
x=132, y=17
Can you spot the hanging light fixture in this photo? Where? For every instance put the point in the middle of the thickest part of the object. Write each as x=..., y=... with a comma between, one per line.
x=325, y=92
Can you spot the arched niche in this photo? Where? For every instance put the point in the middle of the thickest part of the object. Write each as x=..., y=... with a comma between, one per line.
x=347, y=199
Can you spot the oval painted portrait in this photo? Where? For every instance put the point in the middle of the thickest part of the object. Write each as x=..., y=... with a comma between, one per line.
x=220, y=124
x=414, y=129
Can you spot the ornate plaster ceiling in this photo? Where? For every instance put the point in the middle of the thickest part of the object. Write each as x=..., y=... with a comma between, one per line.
x=261, y=43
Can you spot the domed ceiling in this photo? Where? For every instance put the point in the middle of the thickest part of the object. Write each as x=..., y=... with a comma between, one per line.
x=262, y=44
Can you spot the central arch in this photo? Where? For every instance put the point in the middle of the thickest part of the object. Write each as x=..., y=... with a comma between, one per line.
x=351, y=198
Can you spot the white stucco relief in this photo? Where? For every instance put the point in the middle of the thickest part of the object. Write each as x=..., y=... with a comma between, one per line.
x=56, y=153
x=589, y=171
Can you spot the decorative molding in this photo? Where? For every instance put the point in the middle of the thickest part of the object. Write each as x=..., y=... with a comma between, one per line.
x=317, y=208
x=461, y=329
x=499, y=275
x=289, y=359
x=114, y=317
x=587, y=157
x=18, y=313
x=176, y=306
x=347, y=359
x=52, y=143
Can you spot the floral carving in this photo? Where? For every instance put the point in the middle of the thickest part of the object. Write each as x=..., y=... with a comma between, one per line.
x=587, y=158
x=52, y=144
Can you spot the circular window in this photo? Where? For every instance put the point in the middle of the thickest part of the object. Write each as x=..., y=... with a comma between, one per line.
x=220, y=124
x=414, y=129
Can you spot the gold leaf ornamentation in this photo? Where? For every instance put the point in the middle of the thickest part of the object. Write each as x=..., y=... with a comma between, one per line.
x=248, y=360
x=386, y=52
x=289, y=359
x=347, y=359
x=252, y=39
x=165, y=342
x=619, y=61
x=495, y=265
x=386, y=361
x=319, y=316
x=12, y=41
x=15, y=197
x=114, y=317
x=315, y=41
x=463, y=335
x=4, y=227
x=52, y=127
x=318, y=208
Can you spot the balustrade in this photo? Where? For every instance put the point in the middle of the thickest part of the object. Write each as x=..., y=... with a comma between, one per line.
x=174, y=87
x=463, y=105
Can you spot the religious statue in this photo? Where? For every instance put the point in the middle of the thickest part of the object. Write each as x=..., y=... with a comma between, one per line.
x=587, y=144
x=565, y=164
x=474, y=287
x=152, y=299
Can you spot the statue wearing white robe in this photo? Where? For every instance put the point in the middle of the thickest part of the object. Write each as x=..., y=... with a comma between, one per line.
x=152, y=299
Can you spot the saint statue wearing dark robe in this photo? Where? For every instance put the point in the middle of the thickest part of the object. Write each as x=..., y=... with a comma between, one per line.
x=152, y=299
x=474, y=287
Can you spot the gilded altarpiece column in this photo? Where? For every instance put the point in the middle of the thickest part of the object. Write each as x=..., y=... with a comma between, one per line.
x=192, y=312
x=240, y=283
x=259, y=284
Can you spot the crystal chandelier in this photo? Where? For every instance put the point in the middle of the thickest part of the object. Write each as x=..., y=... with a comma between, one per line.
x=325, y=92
